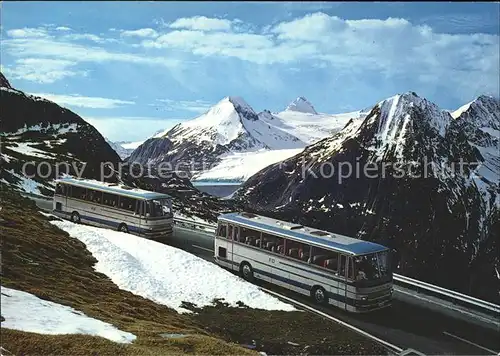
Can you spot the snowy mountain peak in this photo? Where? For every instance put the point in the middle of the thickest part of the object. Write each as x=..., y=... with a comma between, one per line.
x=301, y=104
x=398, y=108
x=484, y=111
x=231, y=104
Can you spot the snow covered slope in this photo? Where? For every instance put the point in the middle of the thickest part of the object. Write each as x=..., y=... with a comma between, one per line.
x=239, y=166
x=230, y=126
x=165, y=274
x=309, y=127
x=26, y=312
x=443, y=220
x=38, y=130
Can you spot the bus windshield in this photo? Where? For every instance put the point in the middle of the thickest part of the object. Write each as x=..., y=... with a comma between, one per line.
x=372, y=266
x=159, y=207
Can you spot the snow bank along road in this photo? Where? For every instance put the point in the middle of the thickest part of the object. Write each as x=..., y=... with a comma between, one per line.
x=406, y=325
x=26, y=312
x=165, y=274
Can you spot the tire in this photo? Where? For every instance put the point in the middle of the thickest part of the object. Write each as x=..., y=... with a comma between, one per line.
x=246, y=271
x=123, y=228
x=318, y=294
x=75, y=217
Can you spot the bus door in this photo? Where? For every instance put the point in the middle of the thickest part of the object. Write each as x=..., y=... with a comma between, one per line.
x=223, y=246
x=232, y=234
x=343, y=272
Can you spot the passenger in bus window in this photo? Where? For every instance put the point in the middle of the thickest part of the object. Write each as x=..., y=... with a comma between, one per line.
x=361, y=275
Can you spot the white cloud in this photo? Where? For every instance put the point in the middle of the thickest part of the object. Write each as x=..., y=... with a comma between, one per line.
x=393, y=47
x=63, y=28
x=27, y=32
x=143, y=32
x=84, y=36
x=76, y=100
x=202, y=23
x=196, y=106
x=43, y=70
x=313, y=26
x=50, y=49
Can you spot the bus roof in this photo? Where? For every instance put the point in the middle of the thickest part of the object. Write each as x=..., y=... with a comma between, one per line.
x=304, y=234
x=113, y=188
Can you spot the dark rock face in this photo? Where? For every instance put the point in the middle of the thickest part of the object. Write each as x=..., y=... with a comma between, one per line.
x=38, y=130
x=4, y=83
x=441, y=220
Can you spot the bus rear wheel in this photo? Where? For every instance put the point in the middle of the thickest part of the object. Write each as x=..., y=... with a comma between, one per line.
x=75, y=217
x=246, y=271
x=318, y=294
x=123, y=228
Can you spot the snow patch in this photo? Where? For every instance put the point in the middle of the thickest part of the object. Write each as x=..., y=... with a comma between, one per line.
x=26, y=312
x=25, y=149
x=165, y=274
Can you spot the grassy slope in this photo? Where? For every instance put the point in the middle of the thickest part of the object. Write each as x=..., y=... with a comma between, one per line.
x=41, y=259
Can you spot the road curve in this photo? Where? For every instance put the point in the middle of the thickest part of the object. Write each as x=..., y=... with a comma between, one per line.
x=404, y=324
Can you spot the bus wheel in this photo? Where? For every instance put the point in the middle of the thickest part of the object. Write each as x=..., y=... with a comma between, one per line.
x=246, y=271
x=75, y=217
x=123, y=228
x=319, y=295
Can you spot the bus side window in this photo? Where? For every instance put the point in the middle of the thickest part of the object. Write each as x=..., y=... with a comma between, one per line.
x=342, y=265
x=236, y=233
x=131, y=204
x=97, y=197
x=90, y=195
x=109, y=199
x=78, y=192
x=250, y=237
x=230, y=232
x=60, y=189
x=138, y=205
x=273, y=243
x=297, y=250
x=325, y=258
x=222, y=231
x=350, y=270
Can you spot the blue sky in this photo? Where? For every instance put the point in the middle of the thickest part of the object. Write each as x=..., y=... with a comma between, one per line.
x=132, y=68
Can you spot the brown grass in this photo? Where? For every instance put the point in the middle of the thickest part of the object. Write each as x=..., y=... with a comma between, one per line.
x=41, y=259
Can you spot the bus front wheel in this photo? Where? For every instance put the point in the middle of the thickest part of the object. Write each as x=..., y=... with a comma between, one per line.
x=75, y=217
x=123, y=228
x=319, y=295
x=246, y=271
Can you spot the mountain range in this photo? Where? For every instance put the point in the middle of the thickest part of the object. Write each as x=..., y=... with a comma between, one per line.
x=232, y=142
